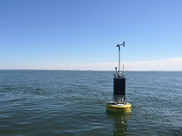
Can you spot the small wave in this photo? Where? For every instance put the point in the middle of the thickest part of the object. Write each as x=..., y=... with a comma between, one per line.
x=178, y=132
x=15, y=100
x=36, y=91
x=8, y=88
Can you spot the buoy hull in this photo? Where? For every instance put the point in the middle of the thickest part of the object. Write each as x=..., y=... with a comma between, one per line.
x=123, y=108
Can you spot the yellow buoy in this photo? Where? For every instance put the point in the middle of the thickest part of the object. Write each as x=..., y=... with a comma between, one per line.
x=123, y=108
x=119, y=90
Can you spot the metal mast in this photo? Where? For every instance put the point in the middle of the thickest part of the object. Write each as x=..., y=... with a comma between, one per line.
x=118, y=45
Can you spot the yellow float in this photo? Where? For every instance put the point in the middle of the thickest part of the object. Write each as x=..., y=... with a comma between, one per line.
x=112, y=107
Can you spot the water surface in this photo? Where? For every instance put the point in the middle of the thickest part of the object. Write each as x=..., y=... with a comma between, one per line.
x=72, y=103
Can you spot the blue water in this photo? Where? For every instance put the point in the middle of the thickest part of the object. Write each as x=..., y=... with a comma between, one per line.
x=72, y=103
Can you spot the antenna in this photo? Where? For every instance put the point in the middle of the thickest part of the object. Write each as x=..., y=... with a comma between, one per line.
x=118, y=45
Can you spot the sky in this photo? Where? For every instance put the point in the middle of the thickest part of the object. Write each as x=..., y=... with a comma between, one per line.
x=83, y=34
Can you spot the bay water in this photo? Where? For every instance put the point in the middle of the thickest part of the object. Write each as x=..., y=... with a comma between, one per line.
x=72, y=103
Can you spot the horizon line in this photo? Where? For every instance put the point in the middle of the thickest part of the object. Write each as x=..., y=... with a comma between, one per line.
x=91, y=70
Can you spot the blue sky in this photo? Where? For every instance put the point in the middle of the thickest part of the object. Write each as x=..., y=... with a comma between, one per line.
x=82, y=34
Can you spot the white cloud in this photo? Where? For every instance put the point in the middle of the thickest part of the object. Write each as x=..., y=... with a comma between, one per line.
x=170, y=64
x=162, y=64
